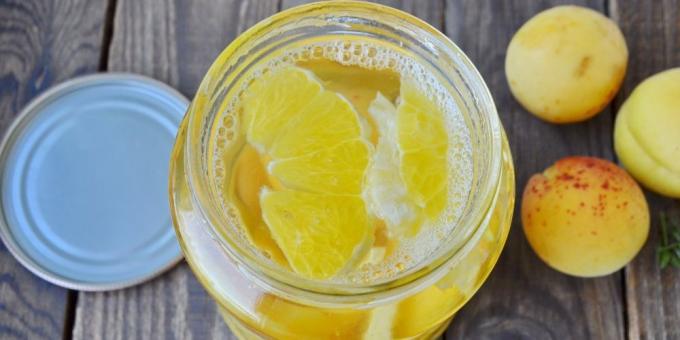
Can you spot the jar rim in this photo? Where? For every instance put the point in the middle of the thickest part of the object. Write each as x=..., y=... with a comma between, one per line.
x=285, y=282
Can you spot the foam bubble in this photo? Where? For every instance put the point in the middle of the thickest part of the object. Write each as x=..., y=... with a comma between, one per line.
x=364, y=54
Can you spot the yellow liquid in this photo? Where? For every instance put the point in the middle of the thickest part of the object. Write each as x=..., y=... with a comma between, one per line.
x=254, y=313
x=241, y=173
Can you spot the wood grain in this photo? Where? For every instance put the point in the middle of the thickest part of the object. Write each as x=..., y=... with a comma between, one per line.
x=652, y=31
x=175, y=42
x=524, y=298
x=42, y=42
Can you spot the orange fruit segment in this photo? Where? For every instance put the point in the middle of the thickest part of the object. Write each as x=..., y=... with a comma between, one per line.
x=319, y=234
x=423, y=141
x=314, y=142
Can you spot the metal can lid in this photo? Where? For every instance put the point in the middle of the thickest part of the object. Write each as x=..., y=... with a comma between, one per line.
x=84, y=178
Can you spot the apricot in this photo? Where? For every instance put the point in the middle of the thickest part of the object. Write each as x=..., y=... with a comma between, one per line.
x=566, y=63
x=585, y=216
x=647, y=133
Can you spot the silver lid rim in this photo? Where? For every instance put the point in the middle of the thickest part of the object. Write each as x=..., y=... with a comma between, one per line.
x=6, y=146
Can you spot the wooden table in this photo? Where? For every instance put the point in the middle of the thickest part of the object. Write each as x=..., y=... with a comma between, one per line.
x=44, y=42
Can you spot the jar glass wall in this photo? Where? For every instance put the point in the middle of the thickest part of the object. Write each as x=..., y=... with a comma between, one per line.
x=259, y=299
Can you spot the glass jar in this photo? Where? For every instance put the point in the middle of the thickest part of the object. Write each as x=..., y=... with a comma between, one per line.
x=260, y=300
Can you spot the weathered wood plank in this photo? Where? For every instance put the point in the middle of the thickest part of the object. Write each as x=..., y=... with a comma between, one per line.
x=652, y=31
x=524, y=298
x=42, y=43
x=175, y=42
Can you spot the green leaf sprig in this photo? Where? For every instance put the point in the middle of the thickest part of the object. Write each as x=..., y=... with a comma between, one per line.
x=668, y=253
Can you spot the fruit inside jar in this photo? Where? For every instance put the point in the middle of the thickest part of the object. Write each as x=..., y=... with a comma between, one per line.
x=349, y=169
x=346, y=162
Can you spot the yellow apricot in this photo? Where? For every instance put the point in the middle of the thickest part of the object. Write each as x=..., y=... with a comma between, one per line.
x=585, y=216
x=566, y=63
x=647, y=133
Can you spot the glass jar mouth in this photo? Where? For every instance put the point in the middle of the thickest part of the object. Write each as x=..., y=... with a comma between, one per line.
x=351, y=18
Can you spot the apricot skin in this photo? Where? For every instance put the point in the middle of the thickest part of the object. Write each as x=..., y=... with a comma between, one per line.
x=585, y=216
x=647, y=133
x=566, y=63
